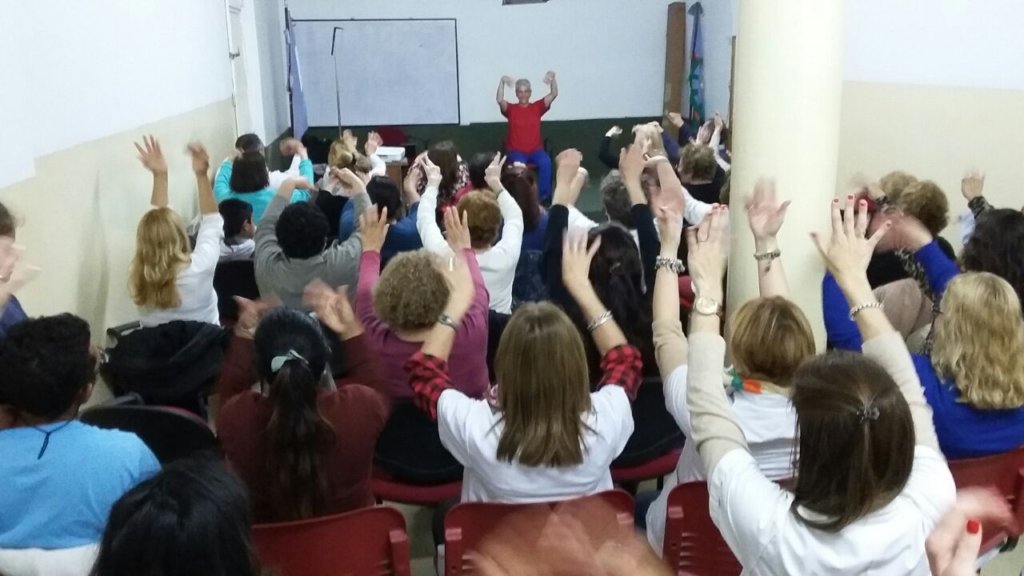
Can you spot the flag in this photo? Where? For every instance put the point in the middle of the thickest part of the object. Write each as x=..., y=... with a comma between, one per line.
x=300, y=116
x=696, y=78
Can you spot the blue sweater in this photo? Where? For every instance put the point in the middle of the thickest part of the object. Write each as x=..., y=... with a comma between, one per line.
x=402, y=235
x=963, y=431
x=260, y=198
x=12, y=313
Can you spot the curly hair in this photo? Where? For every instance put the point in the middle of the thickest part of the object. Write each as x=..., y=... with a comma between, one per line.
x=302, y=230
x=996, y=246
x=249, y=173
x=698, y=162
x=927, y=202
x=411, y=292
x=46, y=362
x=615, y=199
x=484, y=218
x=162, y=249
x=980, y=309
x=894, y=183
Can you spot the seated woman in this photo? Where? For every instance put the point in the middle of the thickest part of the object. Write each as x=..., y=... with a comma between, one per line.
x=248, y=179
x=871, y=483
x=60, y=477
x=543, y=435
x=398, y=307
x=454, y=175
x=759, y=384
x=191, y=518
x=402, y=211
x=528, y=285
x=168, y=279
x=239, y=229
x=486, y=211
x=524, y=143
x=618, y=273
x=303, y=447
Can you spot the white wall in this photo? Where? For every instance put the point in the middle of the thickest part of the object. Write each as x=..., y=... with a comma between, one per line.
x=86, y=70
x=273, y=67
x=609, y=54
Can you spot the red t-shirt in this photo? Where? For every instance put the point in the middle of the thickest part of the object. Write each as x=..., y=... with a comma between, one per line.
x=524, y=126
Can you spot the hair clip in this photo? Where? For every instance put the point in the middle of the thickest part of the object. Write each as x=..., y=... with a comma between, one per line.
x=868, y=412
x=278, y=362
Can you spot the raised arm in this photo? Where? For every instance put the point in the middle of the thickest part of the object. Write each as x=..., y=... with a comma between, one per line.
x=500, y=96
x=238, y=371
x=552, y=82
x=620, y=362
x=426, y=217
x=669, y=342
x=604, y=154
x=201, y=168
x=567, y=190
x=847, y=256
x=333, y=308
x=765, y=215
x=715, y=430
x=511, y=242
x=152, y=157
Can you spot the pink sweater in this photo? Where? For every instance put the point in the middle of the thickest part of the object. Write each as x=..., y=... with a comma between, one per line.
x=468, y=360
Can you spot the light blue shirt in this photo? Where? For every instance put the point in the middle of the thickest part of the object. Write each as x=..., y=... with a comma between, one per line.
x=260, y=198
x=62, y=498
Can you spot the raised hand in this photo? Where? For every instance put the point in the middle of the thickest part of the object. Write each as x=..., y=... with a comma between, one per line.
x=972, y=185
x=460, y=282
x=291, y=147
x=507, y=81
x=151, y=156
x=676, y=119
x=492, y=175
x=13, y=276
x=431, y=170
x=549, y=77
x=579, y=181
x=333, y=308
x=457, y=230
x=250, y=312
x=373, y=228
x=576, y=259
x=670, y=228
x=200, y=157
x=373, y=142
x=849, y=251
x=719, y=123
x=631, y=163
x=704, y=134
x=567, y=169
x=765, y=213
x=411, y=184
x=349, y=139
x=953, y=545
x=351, y=183
x=613, y=132
x=708, y=256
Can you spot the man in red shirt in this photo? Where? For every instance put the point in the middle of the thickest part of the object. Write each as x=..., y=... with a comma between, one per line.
x=524, y=143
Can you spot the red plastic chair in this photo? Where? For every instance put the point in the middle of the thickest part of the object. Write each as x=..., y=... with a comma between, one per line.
x=467, y=524
x=693, y=544
x=367, y=541
x=1005, y=474
x=686, y=294
x=387, y=488
x=657, y=468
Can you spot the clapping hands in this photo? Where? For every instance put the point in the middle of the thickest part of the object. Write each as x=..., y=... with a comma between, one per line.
x=333, y=308
x=373, y=227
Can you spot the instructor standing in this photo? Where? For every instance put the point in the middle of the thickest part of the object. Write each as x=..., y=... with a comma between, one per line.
x=524, y=143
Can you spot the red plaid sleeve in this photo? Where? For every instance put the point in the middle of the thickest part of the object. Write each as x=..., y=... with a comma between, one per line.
x=622, y=366
x=428, y=377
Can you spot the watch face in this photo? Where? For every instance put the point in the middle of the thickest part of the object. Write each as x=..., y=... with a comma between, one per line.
x=706, y=306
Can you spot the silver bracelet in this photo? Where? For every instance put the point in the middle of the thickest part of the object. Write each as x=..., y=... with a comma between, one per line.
x=861, y=307
x=768, y=255
x=445, y=319
x=673, y=265
x=600, y=320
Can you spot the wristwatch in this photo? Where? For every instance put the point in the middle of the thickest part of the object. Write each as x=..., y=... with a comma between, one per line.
x=707, y=306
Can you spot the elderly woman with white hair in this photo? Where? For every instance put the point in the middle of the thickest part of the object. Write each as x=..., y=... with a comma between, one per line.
x=524, y=144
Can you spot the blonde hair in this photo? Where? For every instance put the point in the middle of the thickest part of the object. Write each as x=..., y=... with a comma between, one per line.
x=894, y=183
x=543, y=388
x=927, y=202
x=770, y=338
x=979, y=337
x=161, y=250
x=645, y=133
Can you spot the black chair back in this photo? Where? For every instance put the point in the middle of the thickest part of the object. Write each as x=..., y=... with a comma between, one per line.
x=170, y=433
x=230, y=279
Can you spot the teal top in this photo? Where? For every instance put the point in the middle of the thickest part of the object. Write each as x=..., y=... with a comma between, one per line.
x=260, y=198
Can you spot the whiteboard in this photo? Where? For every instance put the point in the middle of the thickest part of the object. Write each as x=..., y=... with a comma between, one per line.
x=389, y=72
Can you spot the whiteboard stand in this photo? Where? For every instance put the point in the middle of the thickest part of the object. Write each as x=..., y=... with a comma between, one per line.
x=337, y=82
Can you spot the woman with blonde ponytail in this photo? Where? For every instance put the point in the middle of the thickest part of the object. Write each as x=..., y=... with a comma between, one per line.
x=303, y=447
x=168, y=279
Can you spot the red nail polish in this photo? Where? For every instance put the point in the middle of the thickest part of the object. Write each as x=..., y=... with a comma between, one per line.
x=973, y=526
x=835, y=200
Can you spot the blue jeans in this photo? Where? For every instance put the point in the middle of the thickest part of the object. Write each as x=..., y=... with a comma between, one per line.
x=542, y=161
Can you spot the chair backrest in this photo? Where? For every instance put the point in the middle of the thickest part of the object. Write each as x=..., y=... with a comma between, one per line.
x=693, y=544
x=367, y=541
x=171, y=433
x=1002, y=472
x=467, y=524
x=236, y=278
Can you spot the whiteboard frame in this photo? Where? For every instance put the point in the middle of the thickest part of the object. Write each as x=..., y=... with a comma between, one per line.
x=458, y=67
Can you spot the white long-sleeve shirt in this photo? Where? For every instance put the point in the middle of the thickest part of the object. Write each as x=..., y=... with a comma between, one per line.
x=497, y=263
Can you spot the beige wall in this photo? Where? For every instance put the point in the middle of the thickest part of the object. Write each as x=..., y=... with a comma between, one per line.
x=79, y=212
x=936, y=133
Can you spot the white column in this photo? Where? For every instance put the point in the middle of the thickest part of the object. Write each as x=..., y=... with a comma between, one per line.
x=788, y=91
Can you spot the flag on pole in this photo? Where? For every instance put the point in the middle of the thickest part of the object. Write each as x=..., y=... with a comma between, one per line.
x=696, y=78
x=300, y=116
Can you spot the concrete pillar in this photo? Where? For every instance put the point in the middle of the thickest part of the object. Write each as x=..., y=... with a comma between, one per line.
x=788, y=90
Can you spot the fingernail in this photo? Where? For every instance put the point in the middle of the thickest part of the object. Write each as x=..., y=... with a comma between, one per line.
x=973, y=526
x=850, y=197
x=835, y=200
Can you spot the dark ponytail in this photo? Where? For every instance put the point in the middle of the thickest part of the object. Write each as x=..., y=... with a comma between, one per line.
x=298, y=436
x=617, y=275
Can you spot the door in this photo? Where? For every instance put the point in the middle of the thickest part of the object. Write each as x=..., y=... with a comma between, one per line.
x=239, y=78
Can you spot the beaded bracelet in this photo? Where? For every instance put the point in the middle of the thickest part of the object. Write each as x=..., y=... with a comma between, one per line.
x=861, y=307
x=673, y=265
x=768, y=255
x=597, y=322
